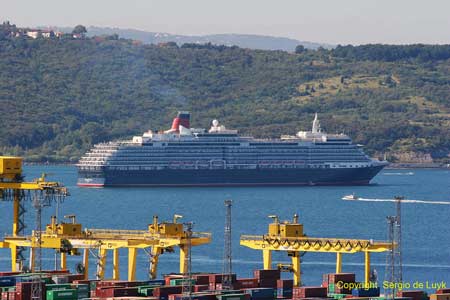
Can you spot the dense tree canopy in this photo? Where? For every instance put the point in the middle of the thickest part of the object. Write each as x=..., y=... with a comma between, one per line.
x=60, y=96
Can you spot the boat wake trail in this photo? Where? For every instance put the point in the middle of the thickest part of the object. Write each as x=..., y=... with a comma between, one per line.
x=402, y=201
x=399, y=174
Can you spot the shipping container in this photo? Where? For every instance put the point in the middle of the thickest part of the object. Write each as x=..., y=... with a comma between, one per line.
x=260, y=293
x=309, y=291
x=67, y=294
x=442, y=296
x=284, y=293
x=267, y=274
x=285, y=283
x=415, y=295
x=339, y=277
x=7, y=281
x=244, y=283
x=181, y=281
x=370, y=292
x=115, y=291
x=231, y=297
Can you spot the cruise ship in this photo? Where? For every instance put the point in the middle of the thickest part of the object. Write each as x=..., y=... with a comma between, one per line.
x=185, y=156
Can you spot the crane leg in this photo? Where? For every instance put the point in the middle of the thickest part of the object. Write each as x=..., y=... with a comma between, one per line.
x=132, y=253
x=86, y=263
x=367, y=268
x=338, y=262
x=101, y=263
x=116, y=273
x=32, y=257
x=156, y=251
x=63, y=261
x=296, y=269
x=16, y=206
x=267, y=259
x=183, y=254
x=13, y=258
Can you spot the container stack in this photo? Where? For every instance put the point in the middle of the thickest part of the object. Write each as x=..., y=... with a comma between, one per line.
x=337, y=282
x=267, y=278
x=414, y=295
x=266, y=285
x=441, y=294
x=300, y=293
x=284, y=288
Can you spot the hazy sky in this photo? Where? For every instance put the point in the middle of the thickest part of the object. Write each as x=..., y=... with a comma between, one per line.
x=329, y=21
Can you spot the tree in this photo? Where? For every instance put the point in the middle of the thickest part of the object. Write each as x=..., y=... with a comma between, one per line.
x=79, y=29
x=300, y=49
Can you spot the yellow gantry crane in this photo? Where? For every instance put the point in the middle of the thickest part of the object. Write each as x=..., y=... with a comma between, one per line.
x=13, y=188
x=289, y=237
x=69, y=238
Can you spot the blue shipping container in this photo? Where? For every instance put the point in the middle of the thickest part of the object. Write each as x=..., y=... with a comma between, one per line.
x=7, y=281
x=155, y=282
x=371, y=292
x=284, y=292
x=259, y=293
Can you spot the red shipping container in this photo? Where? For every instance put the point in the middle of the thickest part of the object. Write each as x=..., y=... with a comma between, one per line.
x=117, y=292
x=73, y=277
x=343, y=291
x=415, y=295
x=174, y=296
x=267, y=274
x=309, y=291
x=9, y=273
x=268, y=283
x=285, y=283
x=99, y=289
x=343, y=277
x=169, y=277
x=83, y=281
x=443, y=291
x=201, y=279
x=11, y=295
x=167, y=290
x=201, y=287
x=5, y=295
x=212, y=286
x=54, y=272
x=245, y=283
x=217, y=278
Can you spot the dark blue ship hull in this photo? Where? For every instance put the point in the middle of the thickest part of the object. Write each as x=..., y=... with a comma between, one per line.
x=236, y=177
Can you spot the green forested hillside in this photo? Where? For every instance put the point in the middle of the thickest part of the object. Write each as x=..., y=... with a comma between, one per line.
x=59, y=96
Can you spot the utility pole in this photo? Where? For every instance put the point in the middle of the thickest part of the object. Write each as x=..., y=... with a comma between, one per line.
x=227, y=259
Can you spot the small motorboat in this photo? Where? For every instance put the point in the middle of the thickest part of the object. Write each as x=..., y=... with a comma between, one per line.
x=350, y=197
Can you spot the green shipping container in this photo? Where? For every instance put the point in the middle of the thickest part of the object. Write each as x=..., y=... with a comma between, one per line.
x=146, y=291
x=83, y=295
x=81, y=287
x=331, y=288
x=231, y=297
x=181, y=281
x=69, y=294
x=63, y=286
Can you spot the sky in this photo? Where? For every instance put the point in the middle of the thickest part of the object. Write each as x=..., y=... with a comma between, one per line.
x=324, y=21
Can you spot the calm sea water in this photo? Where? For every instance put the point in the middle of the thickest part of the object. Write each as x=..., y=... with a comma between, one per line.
x=426, y=228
